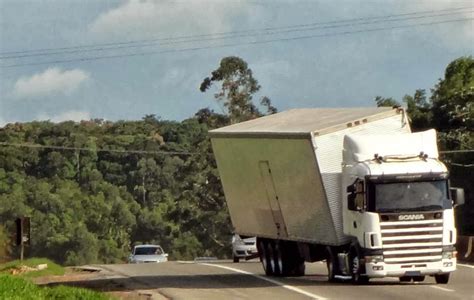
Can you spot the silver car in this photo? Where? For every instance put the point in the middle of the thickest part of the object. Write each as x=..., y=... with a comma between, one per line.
x=147, y=254
x=243, y=247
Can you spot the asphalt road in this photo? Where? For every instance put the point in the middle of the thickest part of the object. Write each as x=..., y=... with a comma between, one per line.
x=246, y=280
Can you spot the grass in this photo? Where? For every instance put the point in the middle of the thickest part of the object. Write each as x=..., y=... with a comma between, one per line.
x=16, y=288
x=53, y=268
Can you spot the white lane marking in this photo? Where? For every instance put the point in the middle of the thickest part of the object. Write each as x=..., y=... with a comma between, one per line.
x=441, y=288
x=467, y=266
x=288, y=287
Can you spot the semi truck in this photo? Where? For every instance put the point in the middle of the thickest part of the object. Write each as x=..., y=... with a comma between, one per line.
x=350, y=186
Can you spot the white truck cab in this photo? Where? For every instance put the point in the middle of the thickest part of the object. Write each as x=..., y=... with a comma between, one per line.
x=398, y=206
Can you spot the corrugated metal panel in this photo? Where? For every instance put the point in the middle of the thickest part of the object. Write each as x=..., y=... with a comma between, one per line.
x=289, y=194
x=305, y=121
x=329, y=156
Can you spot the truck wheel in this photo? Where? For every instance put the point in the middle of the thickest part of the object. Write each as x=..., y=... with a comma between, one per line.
x=236, y=259
x=418, y=278
x=300, y=268
x=332, y=265
x=357, y=269
x=293, y=263
x=271, y=259
x=405, y=279
x=442, y=278
x=262, y=251
x=280, y=259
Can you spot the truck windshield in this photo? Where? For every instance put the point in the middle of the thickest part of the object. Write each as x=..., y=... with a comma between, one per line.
x=411, y=196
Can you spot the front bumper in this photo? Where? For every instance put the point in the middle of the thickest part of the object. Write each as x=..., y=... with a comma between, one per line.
x=381, y=269
x=244, y=251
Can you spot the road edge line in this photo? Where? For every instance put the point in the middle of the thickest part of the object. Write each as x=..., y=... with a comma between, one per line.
x=442, y=288
x=276, y=282
x=466, y=266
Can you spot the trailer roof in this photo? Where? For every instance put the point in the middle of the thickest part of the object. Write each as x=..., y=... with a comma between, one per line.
x=305, y=121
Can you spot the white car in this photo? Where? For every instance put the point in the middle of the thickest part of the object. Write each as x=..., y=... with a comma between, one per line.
x=243, y=248
x=147, y=254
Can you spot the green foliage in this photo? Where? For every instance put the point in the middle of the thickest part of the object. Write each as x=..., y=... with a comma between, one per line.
x=93, y=206
x=381, y=101
x=453, y=115
x=237, y=89
x=5, y=244
x=53, y=268
x=419, y=110
x=19, y=289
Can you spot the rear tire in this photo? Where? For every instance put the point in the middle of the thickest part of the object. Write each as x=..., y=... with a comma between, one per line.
x=281, y=258
x=271, y=259
x=300, y=268
x=442, y=278
x=264, y=259
x=419, y=278
x=293, y=261
x=405, y=279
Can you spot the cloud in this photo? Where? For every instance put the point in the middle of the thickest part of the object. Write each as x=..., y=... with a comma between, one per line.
x=51, y=82
x=142, y=18
x=71, y=115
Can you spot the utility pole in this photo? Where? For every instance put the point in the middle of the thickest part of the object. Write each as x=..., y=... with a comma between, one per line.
x=143, y=187
x=23, y=234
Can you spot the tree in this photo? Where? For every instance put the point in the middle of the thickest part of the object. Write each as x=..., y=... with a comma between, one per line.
x=5, y=244
x=237, y=89
x=381, y=101
x=419, y=110
x=453, y=116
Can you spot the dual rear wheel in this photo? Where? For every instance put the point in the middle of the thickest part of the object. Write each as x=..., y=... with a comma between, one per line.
x=439, y=278
x=280, y=258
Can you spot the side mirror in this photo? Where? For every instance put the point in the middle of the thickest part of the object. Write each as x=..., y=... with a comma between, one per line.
x=165, y=254
x=351, y=188
x=457, y=195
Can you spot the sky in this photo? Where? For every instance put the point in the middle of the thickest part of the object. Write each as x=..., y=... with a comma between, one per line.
x=122, y=60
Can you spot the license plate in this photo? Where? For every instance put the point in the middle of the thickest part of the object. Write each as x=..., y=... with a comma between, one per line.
x=413, y=273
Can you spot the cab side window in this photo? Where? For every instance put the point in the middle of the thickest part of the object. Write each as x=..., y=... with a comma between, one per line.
x=356, y=195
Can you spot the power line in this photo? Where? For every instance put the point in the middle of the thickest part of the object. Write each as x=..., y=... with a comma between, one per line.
x=172, y=42
x=94, y=150
x=230, y=35
x=84, y=59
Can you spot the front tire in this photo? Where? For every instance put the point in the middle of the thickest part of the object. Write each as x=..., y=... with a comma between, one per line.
x=236, y=259
x=419, y=278
x=357, y=269
x=442, y=278
x=405, y=279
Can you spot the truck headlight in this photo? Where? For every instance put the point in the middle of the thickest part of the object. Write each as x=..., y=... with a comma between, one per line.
x=449, y=254
x=374, y=259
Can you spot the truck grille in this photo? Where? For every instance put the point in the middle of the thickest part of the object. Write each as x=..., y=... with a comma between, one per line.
x=414, y=241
